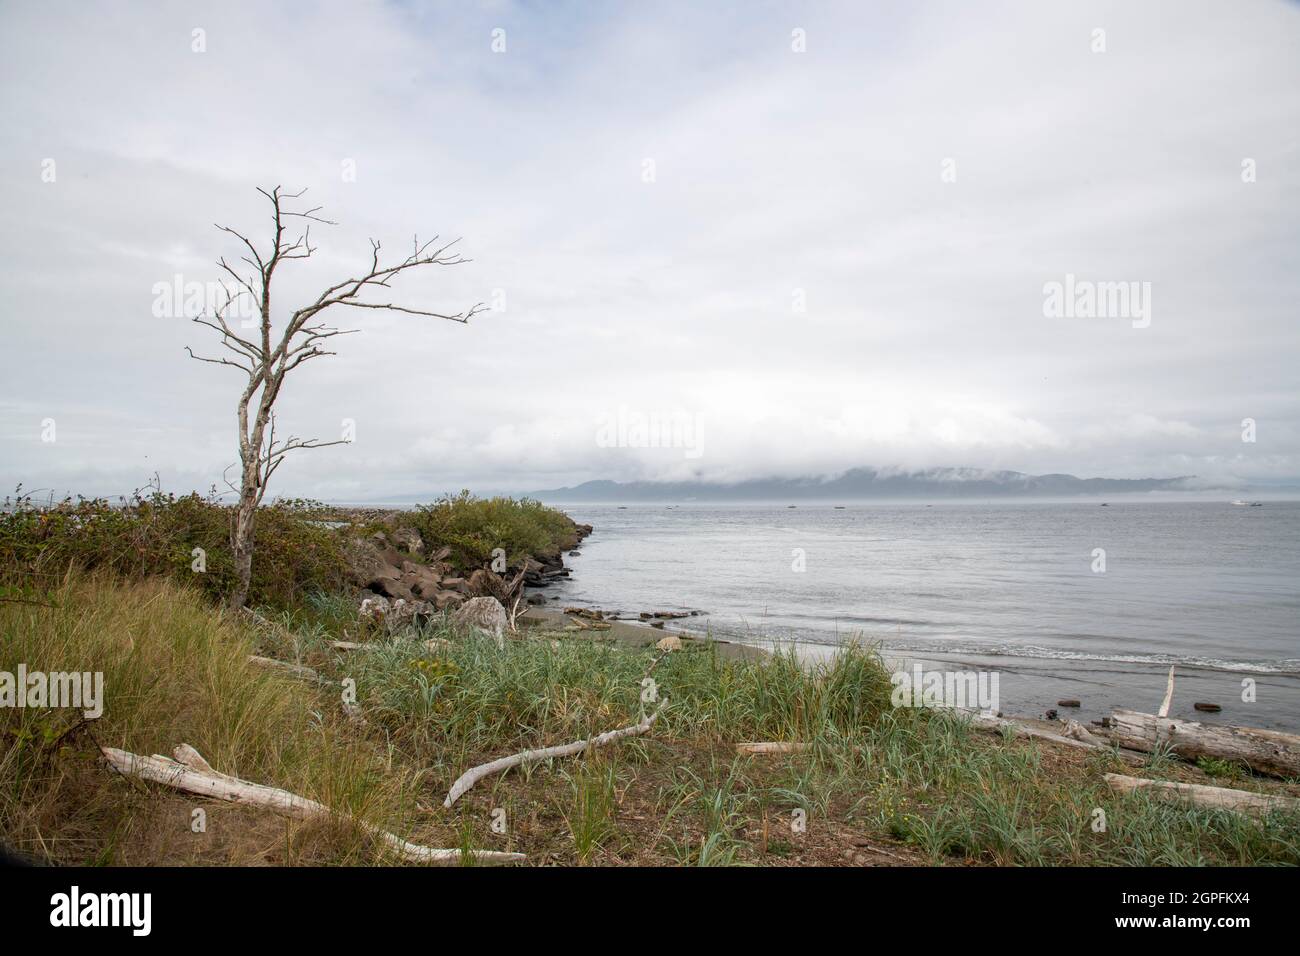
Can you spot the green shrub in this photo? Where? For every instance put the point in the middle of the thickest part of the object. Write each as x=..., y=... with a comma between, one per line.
x=472, y=527
x=156, y=534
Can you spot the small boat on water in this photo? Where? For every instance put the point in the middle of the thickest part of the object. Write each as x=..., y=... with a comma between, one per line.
x=1240, y=503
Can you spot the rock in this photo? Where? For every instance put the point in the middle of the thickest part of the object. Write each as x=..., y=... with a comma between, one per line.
x=408, y=540
x=456, y=584
x=658, y=624
x=374, y=564
x=484, y=614
x=1206, y=708
x=670, y=643
x=485, y=583
x=373, y=609
x=1067, y=703
x=394, y=615
x=574, y=554
x=403, y=613
x=442, y=554
x=421, y=580
x=1051, y=715
x=535, y=599
x=443, y=600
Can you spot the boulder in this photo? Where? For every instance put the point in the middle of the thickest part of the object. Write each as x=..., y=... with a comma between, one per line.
x=421, y=580
x=404, y=613
x=374, y=564
x=373, y=609
x=456, y=584
x=669, y=643
x=408, y=540
x=396, y=614
x=484, y=583
x=447, y=599
x=484, y=614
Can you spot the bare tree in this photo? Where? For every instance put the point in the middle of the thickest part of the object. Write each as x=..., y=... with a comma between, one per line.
x=267, y=357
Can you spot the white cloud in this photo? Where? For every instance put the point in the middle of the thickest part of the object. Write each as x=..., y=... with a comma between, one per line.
x=923, y=341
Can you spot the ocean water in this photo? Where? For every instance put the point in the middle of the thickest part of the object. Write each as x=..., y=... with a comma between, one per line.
x=1011, y=587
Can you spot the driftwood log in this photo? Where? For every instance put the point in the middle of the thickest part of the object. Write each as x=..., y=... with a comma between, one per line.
x=1266, y=751
x=190, y=773
x=472, y=776
x=772, y=747
x=301, y=671
x=1219, y=798
x=1000, y=724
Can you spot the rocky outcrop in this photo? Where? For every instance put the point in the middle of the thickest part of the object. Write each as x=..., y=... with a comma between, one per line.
x=397, y=565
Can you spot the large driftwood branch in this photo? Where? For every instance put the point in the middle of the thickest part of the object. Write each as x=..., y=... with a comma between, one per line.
x=1266, y=751
x=472, y=776
x=1000, y=724
x=190, y=773
x=1219, y=798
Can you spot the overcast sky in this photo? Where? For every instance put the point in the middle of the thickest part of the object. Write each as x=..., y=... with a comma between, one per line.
x=811, y=237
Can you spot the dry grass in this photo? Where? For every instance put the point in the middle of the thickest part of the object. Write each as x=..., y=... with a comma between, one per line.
x=877, y=786
x=175, y=670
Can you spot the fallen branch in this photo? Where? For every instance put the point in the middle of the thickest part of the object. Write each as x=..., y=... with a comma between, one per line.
x=1265, y=751
x=190, y=773
x=1169, y=695
x=772, y=747
x=284, y=667
x=1219, y=798
x=472, y=776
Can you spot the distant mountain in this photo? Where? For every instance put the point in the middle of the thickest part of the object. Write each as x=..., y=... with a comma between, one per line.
x=859, y=483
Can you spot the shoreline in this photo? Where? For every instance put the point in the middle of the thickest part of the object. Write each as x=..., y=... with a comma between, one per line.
x=1032, y=687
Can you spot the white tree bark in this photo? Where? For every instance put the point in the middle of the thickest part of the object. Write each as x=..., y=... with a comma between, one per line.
x=472, y=776
x=190, y=773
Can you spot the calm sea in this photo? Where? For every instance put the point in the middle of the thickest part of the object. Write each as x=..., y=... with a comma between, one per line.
x=1014, y=587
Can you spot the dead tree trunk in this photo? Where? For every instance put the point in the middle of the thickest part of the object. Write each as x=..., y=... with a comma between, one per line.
x=267, y=357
